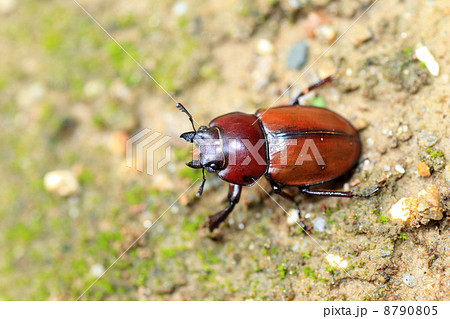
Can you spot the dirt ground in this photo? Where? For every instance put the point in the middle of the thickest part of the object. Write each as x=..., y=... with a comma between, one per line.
x=70, y=98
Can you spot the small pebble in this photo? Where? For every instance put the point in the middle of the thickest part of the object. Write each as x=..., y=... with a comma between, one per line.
x=7, y=6
x=428, y=203
x=93, y=88
x=359, y=34
x=409, y=280
x=313, y=20
x=336, y=261
x=319, y=224
x=148, y=223
x=360, y=123
x=327, y=33
x=297, y=55
x=367, y=166
x=370, y=141
x=61, y=182
x=423, y=169
x=355, y=182
x=426, y=139
x=292, y=217
x=399, y=169
x=385, y=253
x=180, y=8
x=30, y=95
x=97, y=270
x=346, y=187
x=447, y=174
x=424, y=55
x=265, y=47
x=403, y=133
x=404, y=210
x=295, y=4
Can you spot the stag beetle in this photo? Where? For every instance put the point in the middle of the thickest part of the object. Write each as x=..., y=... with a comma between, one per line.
x=276, y=142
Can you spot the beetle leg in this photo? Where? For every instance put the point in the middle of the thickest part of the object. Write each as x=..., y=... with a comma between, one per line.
x=278, y=190
x=337, y=193
x=312, y=87
x=234, y=194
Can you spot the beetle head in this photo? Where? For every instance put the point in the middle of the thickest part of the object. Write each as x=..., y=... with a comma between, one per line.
x=208, y=150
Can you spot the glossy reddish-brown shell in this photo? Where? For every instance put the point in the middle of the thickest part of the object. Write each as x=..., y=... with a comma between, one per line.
x=236, y=130
x=289, y=129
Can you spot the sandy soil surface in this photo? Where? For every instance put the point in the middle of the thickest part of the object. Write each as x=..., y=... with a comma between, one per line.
x=70, y=98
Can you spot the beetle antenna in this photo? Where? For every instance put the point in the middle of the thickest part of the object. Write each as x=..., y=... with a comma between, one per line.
x=200, y=189
x=183, y=109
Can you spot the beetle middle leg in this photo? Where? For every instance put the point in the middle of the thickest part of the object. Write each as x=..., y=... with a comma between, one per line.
x=234, y=194
x=277, y=189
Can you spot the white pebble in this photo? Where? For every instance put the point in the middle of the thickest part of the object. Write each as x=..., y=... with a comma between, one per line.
x=180, y=8
x=399, y=169
x=62, y=183
x=265, y=47
x=30, y=95
x=292, y=217
x=336, y=261
x=367, y=165
x=93, y=88
x=97, y=270
x=295, y=4
x=424, y=55
x=148, y=223
x=370, y=141
x=319, y=224
x=7, y=6
x=409, y=280
x=404, y=209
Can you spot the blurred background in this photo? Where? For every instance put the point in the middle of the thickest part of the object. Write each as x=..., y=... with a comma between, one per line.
x=70, y=98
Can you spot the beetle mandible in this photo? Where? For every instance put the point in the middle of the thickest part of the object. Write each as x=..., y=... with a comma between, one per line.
x=242, y=147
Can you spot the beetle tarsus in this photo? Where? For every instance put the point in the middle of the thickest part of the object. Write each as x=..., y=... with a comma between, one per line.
x=200, y=189
x=372, y=192
x=234, y=194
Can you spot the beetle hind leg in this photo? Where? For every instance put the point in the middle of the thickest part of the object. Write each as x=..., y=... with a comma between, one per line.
x=312, y=87
x=234, y=195
x=334, y=193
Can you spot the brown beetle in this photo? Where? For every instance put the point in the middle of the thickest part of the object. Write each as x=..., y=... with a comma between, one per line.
x=277, y=143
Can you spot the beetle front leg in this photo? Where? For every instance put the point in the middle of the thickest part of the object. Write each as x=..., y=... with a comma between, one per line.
x=234, y=194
